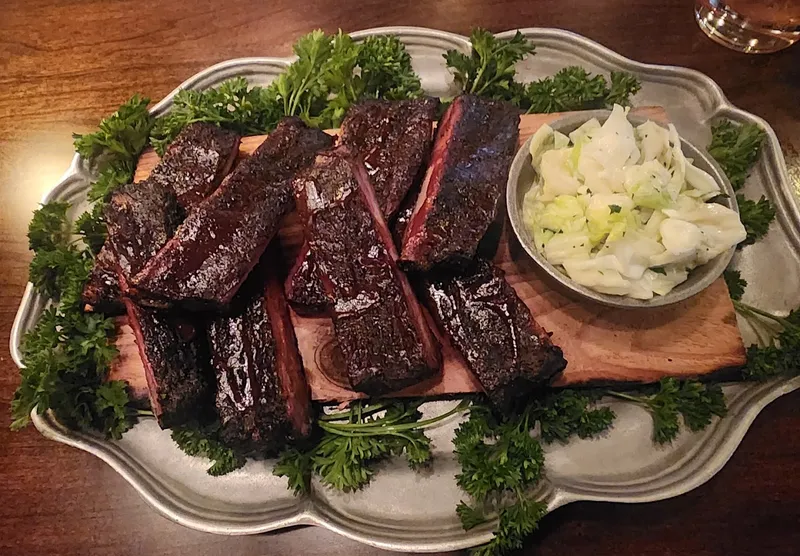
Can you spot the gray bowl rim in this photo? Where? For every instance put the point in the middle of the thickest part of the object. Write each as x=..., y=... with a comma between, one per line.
x=710, y=271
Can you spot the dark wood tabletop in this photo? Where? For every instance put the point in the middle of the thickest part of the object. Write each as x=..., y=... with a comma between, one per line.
x=65, y=64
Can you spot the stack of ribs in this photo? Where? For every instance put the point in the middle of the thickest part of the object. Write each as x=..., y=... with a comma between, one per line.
x=191, y=204
x=392, y=139
x=142, y=217
x=379, y=324
x=187, y=259
x=223, y=237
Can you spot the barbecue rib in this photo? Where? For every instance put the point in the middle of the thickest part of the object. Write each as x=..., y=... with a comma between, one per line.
x=143, y=216
x=222, y=239
x=393, y=139
x=379, y=324
x=196, y=161
x=469, y=167
x=494, y=332
x=101, y=292
x=262, y=397
x=174, y=358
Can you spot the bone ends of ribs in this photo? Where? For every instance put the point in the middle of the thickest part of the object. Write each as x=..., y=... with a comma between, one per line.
x=173, y=354
x=472, y=154
x=262, y=398
x=223, y=238
x=494, y=332
x=379, y=325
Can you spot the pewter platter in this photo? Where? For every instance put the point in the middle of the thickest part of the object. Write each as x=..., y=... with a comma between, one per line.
x=405, y=511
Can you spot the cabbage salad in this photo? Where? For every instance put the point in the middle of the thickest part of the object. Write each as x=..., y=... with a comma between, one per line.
x=621, y=210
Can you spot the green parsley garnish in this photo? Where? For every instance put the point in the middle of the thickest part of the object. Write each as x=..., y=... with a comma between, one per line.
x=756, y=217
x=353, y=441
x=573, y=88
x=778, y=353
x=489, y=69
x=736, y=284
x=330, y=74
x=502, y=462
x=203, y=440
x=566, y=413
x=68, y=353
x=736, y=148
x=698, y=403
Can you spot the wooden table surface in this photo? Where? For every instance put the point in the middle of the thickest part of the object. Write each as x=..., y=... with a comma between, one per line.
x=65, y=64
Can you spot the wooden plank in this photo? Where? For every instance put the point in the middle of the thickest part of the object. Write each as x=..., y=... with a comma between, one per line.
x=696, y=337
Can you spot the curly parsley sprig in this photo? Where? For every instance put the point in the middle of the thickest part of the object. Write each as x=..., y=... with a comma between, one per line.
x=330, y=74
x=352, y=441
x=573, y=88
x=203, y=440
x=696, y=402
x=736, y=148
x=490, y=71
x=778, y=353
x=502, y=462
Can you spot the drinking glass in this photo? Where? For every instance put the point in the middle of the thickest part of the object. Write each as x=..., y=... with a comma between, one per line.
x=752, y=26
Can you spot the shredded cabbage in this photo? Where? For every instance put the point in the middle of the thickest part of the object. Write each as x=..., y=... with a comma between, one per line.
x=621, y=210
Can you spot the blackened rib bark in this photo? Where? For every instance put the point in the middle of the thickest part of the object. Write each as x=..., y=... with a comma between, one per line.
x=393, y=139
x=141, y=217
x=101, y=293
x=495, y=333
x=220, y=242
x=174, y=358
x=303, y=287
x=262, y=397
x=378, y=322
x=196, y=161
x=469, y=167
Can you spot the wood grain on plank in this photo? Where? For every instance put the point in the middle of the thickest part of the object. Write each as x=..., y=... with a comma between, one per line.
x=693, y=338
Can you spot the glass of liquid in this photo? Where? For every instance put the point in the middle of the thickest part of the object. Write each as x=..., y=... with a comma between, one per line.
x=752, y=26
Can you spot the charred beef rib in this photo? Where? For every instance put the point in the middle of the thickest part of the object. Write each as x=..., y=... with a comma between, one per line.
x=222, y=239
x=174, y=355
x=472, y=153
x=494, y=332
x=262, y=398
x=393, y=140
x=196, y=161
x=378, y=322
x=101, y=292
x=143, y=216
